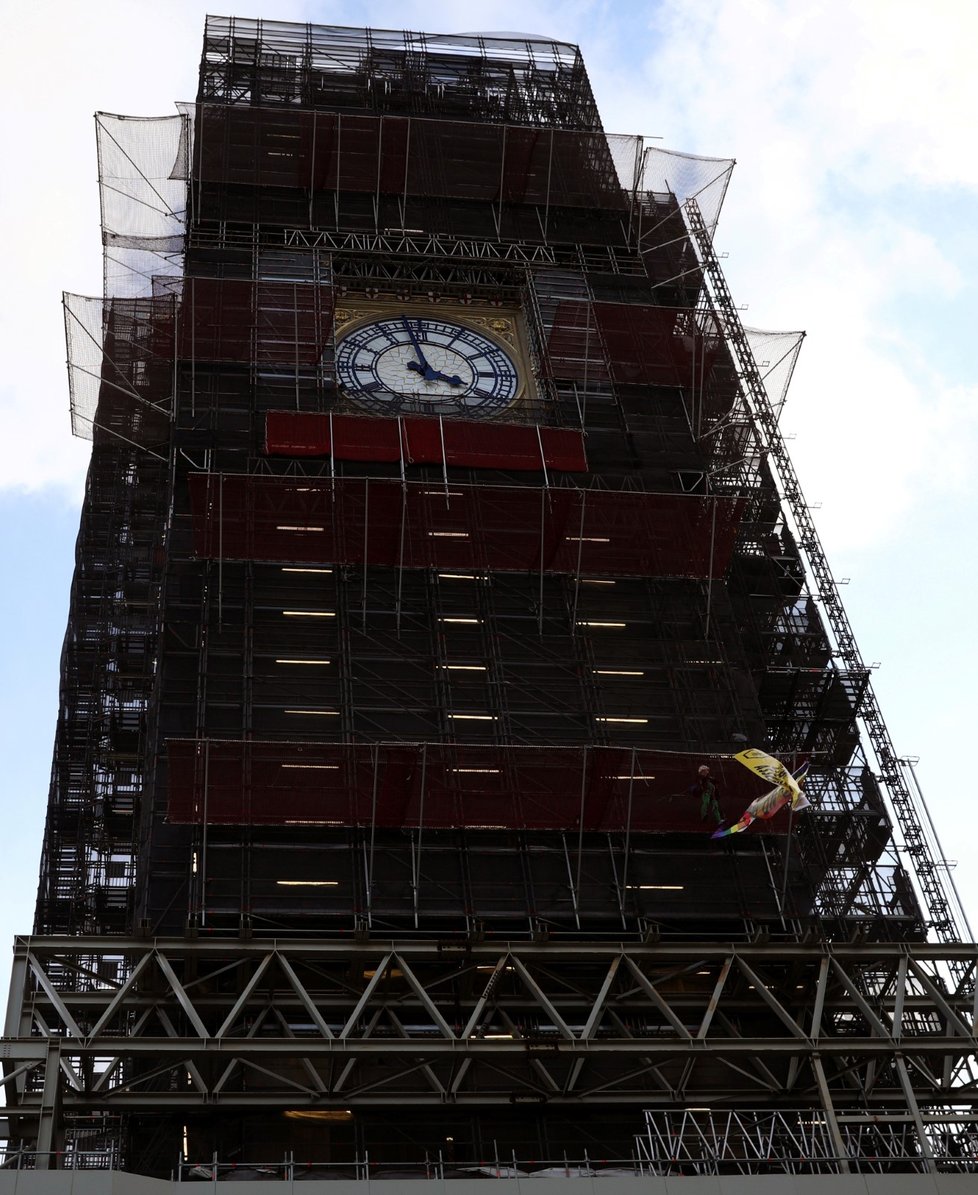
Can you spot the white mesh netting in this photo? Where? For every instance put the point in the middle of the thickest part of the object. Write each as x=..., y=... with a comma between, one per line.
x=688, y=176
x=775, y=354
x=143, y=190
x=120, y=361
x=626, y=154
x=84, y=339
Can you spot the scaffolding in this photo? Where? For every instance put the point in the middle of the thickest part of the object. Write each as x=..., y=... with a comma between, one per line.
x=479, y=77
x=928, y=867
x=338, y=672
x=699, y=1141
x=751, y=1059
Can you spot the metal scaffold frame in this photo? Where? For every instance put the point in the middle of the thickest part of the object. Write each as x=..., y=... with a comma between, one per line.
x=930, y=868
x=489, y=77
x=762, y=1141
x=600, y=360
x=318, y=1024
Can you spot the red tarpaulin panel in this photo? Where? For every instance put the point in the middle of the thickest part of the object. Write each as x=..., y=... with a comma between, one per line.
x=267, y=146
x=299, y=148
x=634, y=344
x=644, y=344
x=346, y=437
x=396, y=155
x=418, y=525
x=232, y=319
x=418, y=440
x=444, y=786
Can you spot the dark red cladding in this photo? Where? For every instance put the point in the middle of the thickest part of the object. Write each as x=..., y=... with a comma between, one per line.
x=297, y=148
x=633, y=344
x=444, y=786
x=430, y=525
x=275, y=323
x=417, y=440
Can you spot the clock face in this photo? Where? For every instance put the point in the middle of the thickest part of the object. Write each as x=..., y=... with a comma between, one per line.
x=427, y=365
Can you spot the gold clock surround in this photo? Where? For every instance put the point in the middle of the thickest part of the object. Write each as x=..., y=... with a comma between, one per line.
x=503, y=325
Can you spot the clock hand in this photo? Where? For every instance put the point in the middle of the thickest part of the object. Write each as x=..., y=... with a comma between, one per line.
x=421, y=365
x=433, y=375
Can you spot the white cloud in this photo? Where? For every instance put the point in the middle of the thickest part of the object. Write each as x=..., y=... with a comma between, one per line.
x=845, y=119
x=63, y=62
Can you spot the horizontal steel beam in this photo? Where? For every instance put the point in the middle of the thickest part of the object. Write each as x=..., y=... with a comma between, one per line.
x=284, y=999
x=29, y=1049
x=173, y=1102
x=553, y=949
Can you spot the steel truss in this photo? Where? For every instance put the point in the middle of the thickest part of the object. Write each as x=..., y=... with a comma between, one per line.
x=701, y=1141
x=115, y=1025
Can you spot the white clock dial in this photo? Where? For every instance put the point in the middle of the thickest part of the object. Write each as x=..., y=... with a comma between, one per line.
x=423, y=364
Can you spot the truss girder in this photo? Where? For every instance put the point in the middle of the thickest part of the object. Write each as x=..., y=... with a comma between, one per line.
x=240, y=1023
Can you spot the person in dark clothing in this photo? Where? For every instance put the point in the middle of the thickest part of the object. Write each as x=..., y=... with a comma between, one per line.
x=704, y=787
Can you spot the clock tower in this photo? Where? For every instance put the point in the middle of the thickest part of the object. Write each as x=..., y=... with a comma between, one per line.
x=440, y=564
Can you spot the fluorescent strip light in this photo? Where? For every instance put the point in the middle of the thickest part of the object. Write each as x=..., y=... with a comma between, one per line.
x=587, y=539
x=317, y=767
x=475, y=717
x=308, y=883
x=316, y=713
x=621, y=719
x=632, y=777
x=448, y=534
x=480, y=771
x=334, y=1114
x=290, y=569
x=309, y=613
x=464, y=667
x=657, y=887
x=457, y=577
x=444, y=493
x=292, y=527
x=323, y=662
x=459, y=619
x=616, y=672
x=601, y=624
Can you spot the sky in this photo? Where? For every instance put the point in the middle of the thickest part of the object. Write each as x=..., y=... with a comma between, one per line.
x=850, y=215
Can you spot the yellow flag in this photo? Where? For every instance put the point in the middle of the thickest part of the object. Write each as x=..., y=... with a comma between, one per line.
x=770, y=769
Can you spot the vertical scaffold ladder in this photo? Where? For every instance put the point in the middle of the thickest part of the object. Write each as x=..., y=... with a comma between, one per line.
x=941, y=901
